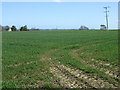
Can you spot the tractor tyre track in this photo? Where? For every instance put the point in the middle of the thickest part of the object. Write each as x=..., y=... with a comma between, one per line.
x=75, y=78
x=101, y=65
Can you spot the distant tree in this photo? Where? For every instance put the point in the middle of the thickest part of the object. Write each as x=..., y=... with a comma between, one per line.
x=83, y=28
x=23, y=28
x=6, y=28
x=13, y=28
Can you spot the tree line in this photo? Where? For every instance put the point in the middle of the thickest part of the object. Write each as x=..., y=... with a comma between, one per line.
x=24, y=28
x=13, y=28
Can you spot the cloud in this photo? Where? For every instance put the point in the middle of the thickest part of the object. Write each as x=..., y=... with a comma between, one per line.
x=57, y=0
x=60, y=0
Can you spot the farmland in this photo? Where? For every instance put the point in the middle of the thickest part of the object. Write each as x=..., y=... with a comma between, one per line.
x=60, y=59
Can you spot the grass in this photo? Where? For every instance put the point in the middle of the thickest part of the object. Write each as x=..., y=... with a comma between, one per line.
x=22, y=47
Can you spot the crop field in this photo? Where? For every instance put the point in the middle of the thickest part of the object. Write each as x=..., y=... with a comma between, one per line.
x=60, y=59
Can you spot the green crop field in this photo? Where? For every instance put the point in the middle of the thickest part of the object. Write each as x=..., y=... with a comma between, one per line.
x=60, y=59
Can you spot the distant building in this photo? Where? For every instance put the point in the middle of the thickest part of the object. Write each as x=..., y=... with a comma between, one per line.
x=10, y=30
x=83, y=28
x=103, y=27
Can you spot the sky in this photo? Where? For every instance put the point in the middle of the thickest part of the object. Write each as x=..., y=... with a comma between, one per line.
x=60, y=15
x=119, y=15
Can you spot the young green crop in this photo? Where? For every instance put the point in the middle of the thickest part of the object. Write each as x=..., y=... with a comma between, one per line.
x=27, y=56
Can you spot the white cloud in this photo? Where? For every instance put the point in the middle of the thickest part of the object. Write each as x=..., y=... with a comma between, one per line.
x=57, y=0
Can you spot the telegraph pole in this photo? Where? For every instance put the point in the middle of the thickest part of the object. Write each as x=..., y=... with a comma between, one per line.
x=106, y=15
x=56, y=28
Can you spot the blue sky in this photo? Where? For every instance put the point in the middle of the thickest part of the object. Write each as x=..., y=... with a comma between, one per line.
x=49, y=15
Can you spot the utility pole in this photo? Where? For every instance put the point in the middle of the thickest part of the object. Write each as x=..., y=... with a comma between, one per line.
x=56, y=28
x=106, y=15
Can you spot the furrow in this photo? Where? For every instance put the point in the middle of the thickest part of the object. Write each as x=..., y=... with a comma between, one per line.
x=67, y=80
x=18, y=64
x=113, y=74
x=91, y=80
x=102, y=66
